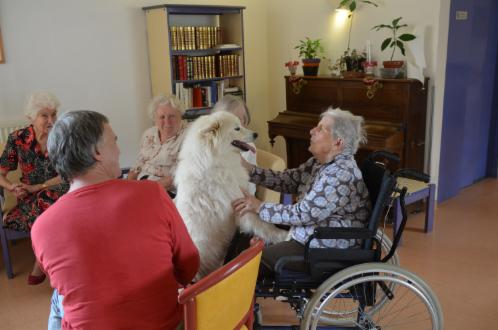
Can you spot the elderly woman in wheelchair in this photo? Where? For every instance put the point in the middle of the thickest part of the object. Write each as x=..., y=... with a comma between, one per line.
x=339, y=271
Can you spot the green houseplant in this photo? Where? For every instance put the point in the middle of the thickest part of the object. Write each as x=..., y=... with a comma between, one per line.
x=352, y=5
x=310, y=51
x=350, y=63
x=394, y=41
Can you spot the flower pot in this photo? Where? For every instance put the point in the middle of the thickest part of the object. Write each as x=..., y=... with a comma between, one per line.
x=310, y=66
x=369, y=67
x=393, y=64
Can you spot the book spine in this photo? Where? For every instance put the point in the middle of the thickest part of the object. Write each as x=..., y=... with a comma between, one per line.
x=172, y=36
x=197, y=97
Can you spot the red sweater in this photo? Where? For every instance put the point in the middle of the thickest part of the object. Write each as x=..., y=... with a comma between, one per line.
x=116, y=251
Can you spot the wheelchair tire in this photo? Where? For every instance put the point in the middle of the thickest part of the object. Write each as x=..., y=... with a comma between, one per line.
x=386, y=244
x=353, y=297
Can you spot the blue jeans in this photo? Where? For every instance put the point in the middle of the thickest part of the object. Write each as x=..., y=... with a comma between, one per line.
x=56, y=312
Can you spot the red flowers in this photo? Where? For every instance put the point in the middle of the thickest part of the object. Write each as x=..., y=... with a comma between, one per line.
x=291, y=64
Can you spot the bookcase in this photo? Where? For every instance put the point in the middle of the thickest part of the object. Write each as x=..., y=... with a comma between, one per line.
x=197, y=53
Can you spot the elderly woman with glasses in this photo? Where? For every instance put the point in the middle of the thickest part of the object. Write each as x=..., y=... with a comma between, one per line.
x=158, y=156
x=330, y=189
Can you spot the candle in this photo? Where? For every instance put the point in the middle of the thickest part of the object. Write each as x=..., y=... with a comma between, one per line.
x=369, y=51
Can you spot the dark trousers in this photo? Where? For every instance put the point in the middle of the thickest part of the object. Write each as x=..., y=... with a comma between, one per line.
x=271, y=253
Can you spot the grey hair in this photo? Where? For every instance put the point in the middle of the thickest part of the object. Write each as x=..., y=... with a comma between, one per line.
x=72, y=142
x=163, y=100
x=38, y=101
x=347, y=127
x=231, y=103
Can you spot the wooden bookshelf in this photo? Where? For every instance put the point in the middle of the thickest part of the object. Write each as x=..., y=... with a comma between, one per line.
x=192, y=47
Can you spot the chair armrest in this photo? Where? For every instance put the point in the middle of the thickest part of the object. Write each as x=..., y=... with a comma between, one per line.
x=124, y=172
x=2, y=201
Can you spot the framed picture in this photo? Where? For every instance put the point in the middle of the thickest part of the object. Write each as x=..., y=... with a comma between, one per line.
x=2, y=57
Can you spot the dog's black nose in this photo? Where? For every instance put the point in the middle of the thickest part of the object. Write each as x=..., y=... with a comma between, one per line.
x=255, y=135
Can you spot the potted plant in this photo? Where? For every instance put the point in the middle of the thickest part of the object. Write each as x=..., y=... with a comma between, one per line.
x=309, y=51
x=394, y=41
x=351, y=5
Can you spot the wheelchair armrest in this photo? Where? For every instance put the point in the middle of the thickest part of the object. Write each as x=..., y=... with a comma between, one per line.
x=337, y=233
x=341, y=233
x=413, y=174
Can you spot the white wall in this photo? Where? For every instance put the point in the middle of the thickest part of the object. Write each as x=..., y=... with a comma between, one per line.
x=290, y=21
x=92, y=55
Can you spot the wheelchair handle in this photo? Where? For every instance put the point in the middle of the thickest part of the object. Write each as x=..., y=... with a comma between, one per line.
x=413, y=174
x=384, y=154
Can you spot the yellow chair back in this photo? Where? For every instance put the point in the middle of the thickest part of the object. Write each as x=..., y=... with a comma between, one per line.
x=13, y=176
x=225, y=298
x=270, y=161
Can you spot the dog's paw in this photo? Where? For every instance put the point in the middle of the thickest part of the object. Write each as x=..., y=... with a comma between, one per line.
x=278, y=236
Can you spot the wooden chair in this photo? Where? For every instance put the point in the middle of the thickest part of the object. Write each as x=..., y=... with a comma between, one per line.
x=270, y=161
x=225, y=298
x=6, y=235
x=417, y=191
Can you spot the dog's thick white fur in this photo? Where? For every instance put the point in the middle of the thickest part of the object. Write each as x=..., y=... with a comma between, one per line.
x=209, y=177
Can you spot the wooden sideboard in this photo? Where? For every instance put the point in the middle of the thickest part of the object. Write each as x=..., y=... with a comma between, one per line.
x=395, y=117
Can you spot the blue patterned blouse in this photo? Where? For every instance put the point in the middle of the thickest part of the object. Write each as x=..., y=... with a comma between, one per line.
x=329, y=195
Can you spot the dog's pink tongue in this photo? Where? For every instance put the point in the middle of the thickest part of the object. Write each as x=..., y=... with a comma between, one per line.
x=243, y=146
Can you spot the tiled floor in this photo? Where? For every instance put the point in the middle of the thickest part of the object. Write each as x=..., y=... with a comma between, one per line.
x=459, y=260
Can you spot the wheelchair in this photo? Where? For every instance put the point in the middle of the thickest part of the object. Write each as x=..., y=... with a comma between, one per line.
x=361, y=288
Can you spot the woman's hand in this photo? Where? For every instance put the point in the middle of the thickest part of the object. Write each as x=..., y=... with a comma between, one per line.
x=246, y=204
x=31, y=188
x=18, y=190
x=248, y=166
x=166, y=182
x=132, y=175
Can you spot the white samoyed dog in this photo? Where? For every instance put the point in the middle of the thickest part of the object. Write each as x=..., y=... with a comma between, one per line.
x=209, y=177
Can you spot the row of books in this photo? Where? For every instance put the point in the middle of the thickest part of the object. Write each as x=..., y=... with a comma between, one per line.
x=195, y=37
x=204, y=95
x=205, y=67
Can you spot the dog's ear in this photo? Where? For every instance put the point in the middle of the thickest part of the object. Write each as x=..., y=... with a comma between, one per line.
x=210, y=134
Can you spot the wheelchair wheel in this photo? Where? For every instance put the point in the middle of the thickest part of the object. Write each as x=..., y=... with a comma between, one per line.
x=360, y=297
x=386, y=247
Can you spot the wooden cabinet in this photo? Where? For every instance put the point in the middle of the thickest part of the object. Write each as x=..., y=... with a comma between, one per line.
x=197, y=53
x=395, y=117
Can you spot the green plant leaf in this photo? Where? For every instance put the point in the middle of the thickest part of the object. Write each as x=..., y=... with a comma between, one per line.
x=352, y=6
x=401, y=47
x=382, y=26
x=395, y=22
x=385, y=43
x=370, y=2
x=407, y=37
x=343, y=3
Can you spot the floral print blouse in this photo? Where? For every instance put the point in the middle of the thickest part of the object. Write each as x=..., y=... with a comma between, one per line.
x=329, y=195
x=23, y=150
x=159, y=159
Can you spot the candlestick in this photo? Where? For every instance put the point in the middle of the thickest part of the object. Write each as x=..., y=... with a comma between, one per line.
x=369, y=51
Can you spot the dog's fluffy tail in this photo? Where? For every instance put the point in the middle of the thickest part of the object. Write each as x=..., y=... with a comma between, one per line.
x=252, y=224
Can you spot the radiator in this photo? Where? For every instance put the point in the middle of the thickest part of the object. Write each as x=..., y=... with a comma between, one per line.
x=8, y=126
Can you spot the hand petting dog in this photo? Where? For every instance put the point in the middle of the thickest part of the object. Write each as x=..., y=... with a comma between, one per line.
x=246, y=204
